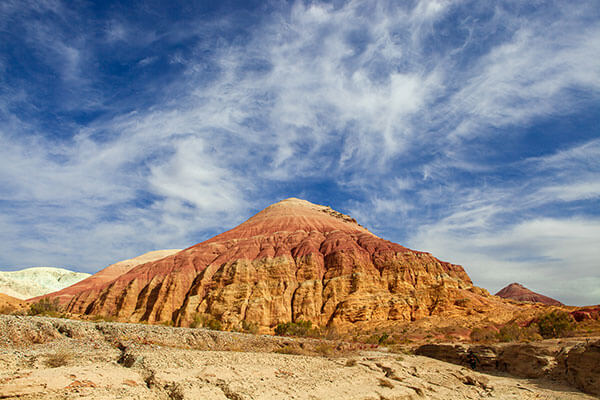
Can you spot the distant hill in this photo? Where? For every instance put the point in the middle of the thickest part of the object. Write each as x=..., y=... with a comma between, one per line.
x=11, y=304
x=516, y=291
x=37, y=281
x=107, y=275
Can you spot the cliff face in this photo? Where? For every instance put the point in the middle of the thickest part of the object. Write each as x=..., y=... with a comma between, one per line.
x=294, y=260
x=516, y=291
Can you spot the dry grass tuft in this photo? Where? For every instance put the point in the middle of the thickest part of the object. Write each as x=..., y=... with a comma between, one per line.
x=59, y=359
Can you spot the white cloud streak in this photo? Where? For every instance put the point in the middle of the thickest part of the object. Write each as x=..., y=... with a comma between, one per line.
x=368, y=95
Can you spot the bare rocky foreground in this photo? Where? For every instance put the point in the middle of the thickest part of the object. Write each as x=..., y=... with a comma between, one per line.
x=61, y=359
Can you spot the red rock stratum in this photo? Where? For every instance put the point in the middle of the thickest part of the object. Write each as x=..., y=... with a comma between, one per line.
x=93, y=284
x=516, y=291
x=292, y=261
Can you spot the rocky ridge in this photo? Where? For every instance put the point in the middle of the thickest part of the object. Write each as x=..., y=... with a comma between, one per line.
x=294, y=260
x=575, y=361
x=518, y=292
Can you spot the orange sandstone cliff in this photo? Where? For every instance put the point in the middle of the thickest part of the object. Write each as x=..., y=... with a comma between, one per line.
x=292, y=261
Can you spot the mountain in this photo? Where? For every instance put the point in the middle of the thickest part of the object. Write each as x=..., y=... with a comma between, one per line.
x=10, y=304
x=93, y=283
x=37, y=281
x=516, y=291
x=292, y=261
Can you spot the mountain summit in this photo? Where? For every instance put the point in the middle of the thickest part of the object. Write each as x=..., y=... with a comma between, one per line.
x=294, y=260
x=516, y=291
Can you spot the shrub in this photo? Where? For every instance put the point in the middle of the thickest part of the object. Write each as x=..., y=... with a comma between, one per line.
x=58, y=359
x=325, y=349
x=103, y=318
x=510, y=333
x=379, y=339
x=45, y=307
x=555, y=324
x=483, y=334
x=287, y=349
x=206, y=321
x=250, y=327
x=299, y=328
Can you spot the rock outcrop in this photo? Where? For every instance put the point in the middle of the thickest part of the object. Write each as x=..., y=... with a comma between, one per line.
x=575, y=361
x=292, y=261
x=590, y=313
x=92, y=284
x=37, y=281
x=516, y=291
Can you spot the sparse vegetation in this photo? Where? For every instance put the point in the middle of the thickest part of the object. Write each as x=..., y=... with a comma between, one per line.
x=555, y=324
x=379, y=339
x=288, y=349
x=46, y=307
x=509, y=333
x=103, y=318
x=351, y=362
x=325, y=349
x=206, y=321
x=249, y=327
x=59, y=359
x=512, y=333
x=298, y=328
x=8, y=310
x=486, y=335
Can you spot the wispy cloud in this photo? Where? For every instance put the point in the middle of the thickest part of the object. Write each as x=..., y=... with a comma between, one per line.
x=189, y=127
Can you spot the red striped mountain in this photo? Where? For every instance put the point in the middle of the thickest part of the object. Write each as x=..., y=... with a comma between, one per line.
x=516, y=291
x=93, y=284
x=294, y=260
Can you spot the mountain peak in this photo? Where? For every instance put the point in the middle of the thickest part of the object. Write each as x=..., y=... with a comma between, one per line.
x=516, y=291
x=295, y=206
x=292, y=215
x=294, y=260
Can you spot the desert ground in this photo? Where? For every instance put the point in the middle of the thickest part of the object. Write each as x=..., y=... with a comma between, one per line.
x=53, y=358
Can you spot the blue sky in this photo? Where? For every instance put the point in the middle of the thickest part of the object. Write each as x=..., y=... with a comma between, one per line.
x=468, y=129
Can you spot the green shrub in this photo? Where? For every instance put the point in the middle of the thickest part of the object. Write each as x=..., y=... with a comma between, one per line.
x=249, y=327
x=555, y=324
x=379, y=339
x=483, y=334
x=206, y=321
x=510, y=333
x=45, y=306
x=299, y=328
x=103, y=318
